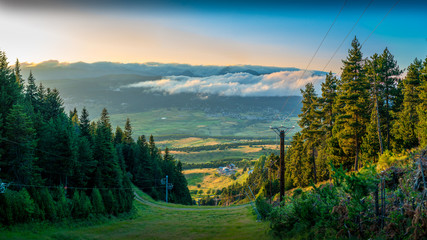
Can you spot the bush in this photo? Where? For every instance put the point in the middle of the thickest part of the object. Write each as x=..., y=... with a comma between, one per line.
x=97, y=203
x=264, y=208
x=388, y=159
x=19, y=207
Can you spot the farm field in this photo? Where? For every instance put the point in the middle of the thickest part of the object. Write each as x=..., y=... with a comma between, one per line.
x=209, y=179
x=196, y=123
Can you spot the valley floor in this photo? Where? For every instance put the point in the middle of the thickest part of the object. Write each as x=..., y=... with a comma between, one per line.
x=158, y=221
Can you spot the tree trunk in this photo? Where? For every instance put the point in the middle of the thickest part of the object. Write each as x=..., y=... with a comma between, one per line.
x=379, y=126
x=356, y=161
x=388, y=121
x=314, y=166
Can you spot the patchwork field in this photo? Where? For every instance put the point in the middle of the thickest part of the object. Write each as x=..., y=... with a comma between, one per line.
x=173, y=121
x=209, y=179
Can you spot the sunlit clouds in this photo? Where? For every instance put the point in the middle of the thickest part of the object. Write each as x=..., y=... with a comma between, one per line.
x=282, y=83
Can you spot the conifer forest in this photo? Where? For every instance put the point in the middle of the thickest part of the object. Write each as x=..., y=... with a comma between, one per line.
x=354, y=165
x=61, y=165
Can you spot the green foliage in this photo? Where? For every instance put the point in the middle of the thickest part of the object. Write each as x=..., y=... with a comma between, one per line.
x=97, y=203
x=18, y=207
x=404, y=128
x=81, y=206
x=263, y=208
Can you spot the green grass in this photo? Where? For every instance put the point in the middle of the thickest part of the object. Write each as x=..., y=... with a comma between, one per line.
x=195, y=178
x=207, y=156
x=153, y=223
x=196, y=123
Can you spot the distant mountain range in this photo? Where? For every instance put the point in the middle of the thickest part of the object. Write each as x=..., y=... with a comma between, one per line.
x=128, y=88
x=53, y=69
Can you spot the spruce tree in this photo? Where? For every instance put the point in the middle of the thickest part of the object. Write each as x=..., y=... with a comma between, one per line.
x=422, y=107
x=310, y=123
x=389, y=78
x=18, y=75
x=85, y=123
x=404, y=128
x=118, y=136
x=353, y=97
x=31, y=90
x=10, y=90
x=128, y=132
x=108, y=169
x=19, y=155
x=300, y=175
x=329, y=93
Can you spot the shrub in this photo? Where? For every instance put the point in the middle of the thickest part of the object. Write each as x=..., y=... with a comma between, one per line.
x=264, y=208
x=97, y=204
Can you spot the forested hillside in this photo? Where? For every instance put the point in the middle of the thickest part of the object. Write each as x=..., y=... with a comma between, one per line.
x=58, y=166
x=365, y=134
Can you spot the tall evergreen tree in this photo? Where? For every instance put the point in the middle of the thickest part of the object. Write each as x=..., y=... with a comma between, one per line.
x=389, y=78
x=404, y=128
x=108, y=172
x=327, y=101
x=18, y=75
x=19, y=155
x=422, y=107
x=10, y=91
x=85, y=123
x=53, y=104
x=128, y=132
x=31, y=90
x=353, y=97
x=300, y=174
x=310, y=123
x=118, y=136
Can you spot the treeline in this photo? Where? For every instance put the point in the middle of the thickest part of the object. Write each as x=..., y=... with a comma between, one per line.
x=238, y=162
x=60, y=165
x=366, y=112
x=222, y=146
x=181, y=136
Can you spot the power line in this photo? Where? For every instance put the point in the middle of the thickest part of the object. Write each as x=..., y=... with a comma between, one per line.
x=380, y=22
x=317, y=50
x=342, y=42
x=348, y=34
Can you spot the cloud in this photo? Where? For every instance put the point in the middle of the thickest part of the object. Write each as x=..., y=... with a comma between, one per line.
x=283, y=83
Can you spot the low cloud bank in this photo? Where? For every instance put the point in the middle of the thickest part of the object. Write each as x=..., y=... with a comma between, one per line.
x=283, y=83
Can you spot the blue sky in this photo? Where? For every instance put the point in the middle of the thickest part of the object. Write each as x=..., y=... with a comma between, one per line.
x=274, y=33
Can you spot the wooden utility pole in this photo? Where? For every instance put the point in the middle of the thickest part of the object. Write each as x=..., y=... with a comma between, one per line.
x=281, y=131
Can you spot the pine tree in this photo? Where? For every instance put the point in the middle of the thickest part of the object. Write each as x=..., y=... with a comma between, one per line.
x=327, y=101
x=371, y=145
x=53, y=104
x=85, y=164
x=10, y=90
x=300, y=175
x=118, y=136
x=108, y=169
x=85, y=123
x=310, y=123
x=374, y=72
x=31, y=90
x=20, y=146
x=404, y=128
x=18, y=75
x=389, y=79
x=128, y=132
x=353, y=100
x=422, y=107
